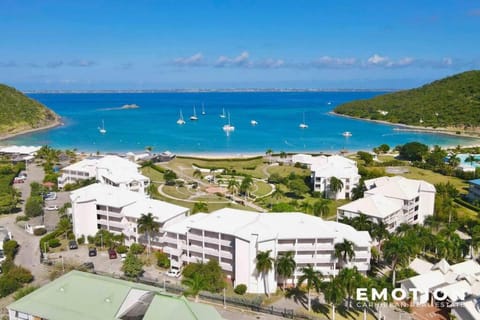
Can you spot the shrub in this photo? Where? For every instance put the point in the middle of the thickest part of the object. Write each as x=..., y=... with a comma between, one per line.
x=21, y=218
x=122, y=249
x=39, y=231
x=240, y=289
x=20, y=274
x=137, y=248
x=33, y=207
x=162, y=259
x=10, y=248
x=81, y=240
x=8, y=285
x=53, y=243
x=91, y=239
x=23, y=292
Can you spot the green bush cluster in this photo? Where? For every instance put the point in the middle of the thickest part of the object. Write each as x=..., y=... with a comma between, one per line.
x=137, y=248
x=9, y=197
x=162, y=259
x=240, y=289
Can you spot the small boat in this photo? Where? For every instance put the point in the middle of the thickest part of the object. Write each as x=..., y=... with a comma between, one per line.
x=303, y=125
x=102, y=129
x=347, y=134
x=228, y=127
x=203, y=110
x=223, y=113
x=329, y=102
x=194, y=116
x=253, y=122
x=180, y=120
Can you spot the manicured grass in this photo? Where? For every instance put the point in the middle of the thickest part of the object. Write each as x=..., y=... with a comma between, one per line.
x=177, y=192
x=261, y=188
x=154, y=175
x=284, y=170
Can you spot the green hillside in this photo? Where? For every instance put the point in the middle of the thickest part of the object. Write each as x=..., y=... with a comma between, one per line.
x=452, y=102
x=19, y=113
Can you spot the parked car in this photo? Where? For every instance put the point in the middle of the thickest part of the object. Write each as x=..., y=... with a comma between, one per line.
x=112, y=254
x=174, y=272
x=50, y=196
x=19, y=180
x=123, y=256
x=51, y=208
x=72, y=244
x=92, y=251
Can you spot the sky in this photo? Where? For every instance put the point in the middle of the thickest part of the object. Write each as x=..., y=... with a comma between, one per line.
x=97, y=45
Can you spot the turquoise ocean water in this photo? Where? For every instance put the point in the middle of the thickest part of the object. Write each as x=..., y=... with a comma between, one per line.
x=278, y=116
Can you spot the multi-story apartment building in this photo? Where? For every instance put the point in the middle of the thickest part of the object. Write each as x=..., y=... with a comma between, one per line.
x=323, y=168
x=111, y=170
x=235, y=237
x=100, y=206
x=393, y=200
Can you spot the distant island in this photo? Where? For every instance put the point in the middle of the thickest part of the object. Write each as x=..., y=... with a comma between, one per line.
x=21, y=114
x=450, y=104
x=124, y=107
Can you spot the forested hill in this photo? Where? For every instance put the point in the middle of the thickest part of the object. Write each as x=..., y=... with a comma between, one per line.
x=452, y=102
x=19, y=113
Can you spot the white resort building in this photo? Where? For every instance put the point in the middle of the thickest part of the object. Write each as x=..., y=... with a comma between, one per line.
x=100, y=206
x=234, y=237
x=110, y=169
x=393, y=201
x=323, y=168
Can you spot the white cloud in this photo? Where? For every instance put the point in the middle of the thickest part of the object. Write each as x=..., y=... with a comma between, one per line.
x=82, y=63
x=241, y=60
x=271, y=63
x=333, y=62
x=195, y=60
x=378, y=60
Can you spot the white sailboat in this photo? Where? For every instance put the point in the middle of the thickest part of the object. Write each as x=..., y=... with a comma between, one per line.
x=303, y=125
x=228, y=127
x=223, y=113
x=203, y=110
x=102, y=129
x=253, y=122
x=194, y=116
x=180, y=120
x=347, y=134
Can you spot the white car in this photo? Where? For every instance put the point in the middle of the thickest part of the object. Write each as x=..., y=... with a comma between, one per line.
x=123, y=256
x=174, y=273
x=51, y=208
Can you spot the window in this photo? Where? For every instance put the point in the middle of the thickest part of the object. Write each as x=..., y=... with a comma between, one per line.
x=21, y=315
x=415, y=217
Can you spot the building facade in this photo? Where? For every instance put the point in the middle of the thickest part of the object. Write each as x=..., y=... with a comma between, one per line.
x=235, y=237
x=111, y=170
x=393, y=201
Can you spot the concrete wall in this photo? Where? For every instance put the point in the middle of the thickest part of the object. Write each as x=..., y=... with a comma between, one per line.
x=84, y=218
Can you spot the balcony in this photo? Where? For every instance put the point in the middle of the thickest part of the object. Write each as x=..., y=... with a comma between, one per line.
x=226, y=255
x=110, y=214
x=226, y=266
x=112, y=223
x=195, y=237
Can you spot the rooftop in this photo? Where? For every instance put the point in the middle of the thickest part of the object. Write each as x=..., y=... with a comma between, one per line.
x=377, y=206
x=397, y=187
x=79, y=295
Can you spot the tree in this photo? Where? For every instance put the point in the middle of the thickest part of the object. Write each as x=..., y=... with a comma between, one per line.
x=365, y=156
x=471, y=159
x=298, y=187
x=396, y=251
x=349, y=278
x=263, y=266
x=197, y=173
x=211, y=272
x=33, y=207
x=335, y=186
x=285, y=266
x=199, y=207
x=269, y=153
x=246, y=185
x=233, y=185
x=312, y=277
x=454, y=161
x=283, y=154
x=333, y=293
x=132, y=266
x=147, y=224
x=169, y=176
x=436, y=157
x=64, y=226
x=305, y=206
x=344, y=251
x=195, y=284
x=413, y=151
x=383, y=148
x=321, y=207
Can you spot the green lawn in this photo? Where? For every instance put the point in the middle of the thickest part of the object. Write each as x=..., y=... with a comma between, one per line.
x=261, y=188
x=153, y=174
x=284, y=170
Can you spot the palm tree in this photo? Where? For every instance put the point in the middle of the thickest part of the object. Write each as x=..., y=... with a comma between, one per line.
x=269, y=153
x=379, y=231
x=312, y=278
x=453, y=161
x=283, y=154
x=263, y=266
x=362, y=223
x=246, y=185
x=212, y=171
x=345, y=251
x=335, y=186
x=321, y=207
x=334, y=293
x=233, y=185
x=349, y=278
x=147, y=224
x=149, y=148
x=285, y=265
x=396, y=251
x=200, y=207
x=305, y=206
x=195, y=284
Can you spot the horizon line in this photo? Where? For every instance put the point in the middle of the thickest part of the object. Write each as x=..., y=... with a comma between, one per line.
x=199, y=90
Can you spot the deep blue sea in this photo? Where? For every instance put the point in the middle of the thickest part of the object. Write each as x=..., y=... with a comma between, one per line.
x=278, y=115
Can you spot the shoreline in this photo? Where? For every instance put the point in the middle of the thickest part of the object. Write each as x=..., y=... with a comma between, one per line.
x=55, y=124
x=412, y=128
